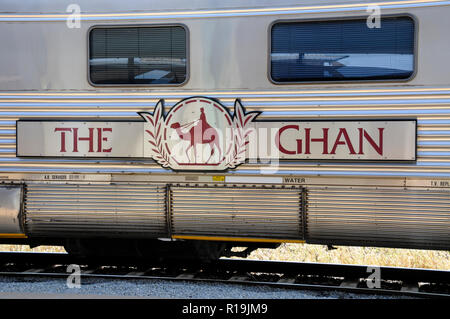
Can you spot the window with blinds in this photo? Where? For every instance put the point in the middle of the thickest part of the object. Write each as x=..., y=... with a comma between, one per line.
x=138, y=55
x=342, y=50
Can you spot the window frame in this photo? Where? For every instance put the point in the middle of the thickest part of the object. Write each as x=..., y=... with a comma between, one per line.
x=318, y=82
x=121, y=26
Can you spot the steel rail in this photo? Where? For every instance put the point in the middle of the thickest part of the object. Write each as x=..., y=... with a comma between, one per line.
x=293, y=275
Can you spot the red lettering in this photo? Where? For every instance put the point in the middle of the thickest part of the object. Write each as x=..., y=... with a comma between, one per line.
x=378, y=148
x=105, y=139
x=299, y=146
x=99, y=140
x=91, y=139
x=308, y=140
x=63, y=131
x=343, y=132
x=278, y=138
x=75, y=139
x=361, y=141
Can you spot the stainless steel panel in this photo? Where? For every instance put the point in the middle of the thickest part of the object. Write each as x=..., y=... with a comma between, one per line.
x=42, y=79
x=236, y=212
x=430, y=106
x=379, y=216
x=32, y=87
x=10, y=209
x=228, y=41
x=95, y=210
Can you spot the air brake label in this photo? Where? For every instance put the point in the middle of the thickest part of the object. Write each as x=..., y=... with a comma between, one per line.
x=201, y=134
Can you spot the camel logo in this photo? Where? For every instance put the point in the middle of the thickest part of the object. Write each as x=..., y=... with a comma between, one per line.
x=198, y=133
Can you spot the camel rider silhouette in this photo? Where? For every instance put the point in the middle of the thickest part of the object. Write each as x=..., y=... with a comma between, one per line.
x=203, y=118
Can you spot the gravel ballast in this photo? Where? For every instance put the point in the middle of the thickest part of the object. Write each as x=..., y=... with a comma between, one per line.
x=41, y=287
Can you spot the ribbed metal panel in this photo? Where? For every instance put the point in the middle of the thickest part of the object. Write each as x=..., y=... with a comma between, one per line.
x=430, y=106
x=95, y=210
x=237, y=211
x=380, y=217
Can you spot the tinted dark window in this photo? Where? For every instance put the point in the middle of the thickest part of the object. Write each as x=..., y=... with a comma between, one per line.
x=138, y=55
x=342, y=50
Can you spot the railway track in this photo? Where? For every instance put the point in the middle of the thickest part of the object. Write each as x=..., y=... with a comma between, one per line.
x=294, y=275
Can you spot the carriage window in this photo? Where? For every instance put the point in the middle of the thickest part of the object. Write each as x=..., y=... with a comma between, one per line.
x=137, y=55
x=342, y=50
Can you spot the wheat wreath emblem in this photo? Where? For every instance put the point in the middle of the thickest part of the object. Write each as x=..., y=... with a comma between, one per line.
x=241, y=127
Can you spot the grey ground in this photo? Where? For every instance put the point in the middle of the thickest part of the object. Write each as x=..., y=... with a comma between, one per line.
x=39, y=287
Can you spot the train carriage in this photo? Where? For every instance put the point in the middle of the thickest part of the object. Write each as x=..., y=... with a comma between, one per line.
x=181, y=128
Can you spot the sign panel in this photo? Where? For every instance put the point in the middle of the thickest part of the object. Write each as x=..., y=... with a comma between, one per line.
x=343, y=140
x=80, y=139
x=201, y=134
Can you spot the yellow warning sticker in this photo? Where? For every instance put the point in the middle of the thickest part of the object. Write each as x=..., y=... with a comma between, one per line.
x=219, y=178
